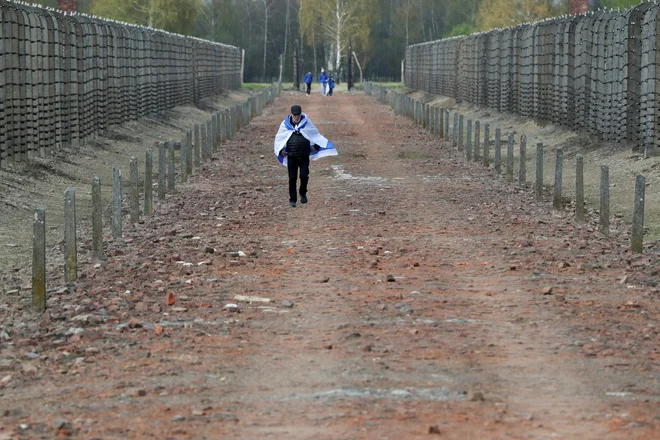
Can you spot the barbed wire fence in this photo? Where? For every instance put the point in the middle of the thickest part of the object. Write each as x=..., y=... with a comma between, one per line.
x=596, y=72
x=65, y=78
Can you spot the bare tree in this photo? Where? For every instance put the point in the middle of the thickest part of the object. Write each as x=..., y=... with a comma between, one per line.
x=286, y=29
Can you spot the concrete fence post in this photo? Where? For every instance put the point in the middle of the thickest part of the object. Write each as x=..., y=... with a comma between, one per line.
x=579, y=189
x=486, y=158
x=460, y=133
x=509, y=157
x=39, y=260
x=135, y=192
x=454, y=136
x=171, y=169
x=498, y=151
x=468, y=144
x=539, y=172
x=559, y=167
x=522, y=165
x=162, y=160
x=116, y=204
x=70, y=245
x=189, y=152
x=148, y=183
x=637, y=237
x=604, y=226
x=477, y=141
x=97, y=220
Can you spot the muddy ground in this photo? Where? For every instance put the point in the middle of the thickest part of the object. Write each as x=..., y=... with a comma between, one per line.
x=416, y=295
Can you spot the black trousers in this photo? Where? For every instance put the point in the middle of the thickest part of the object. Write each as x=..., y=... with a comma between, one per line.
x=294, y=164
x=309, y=87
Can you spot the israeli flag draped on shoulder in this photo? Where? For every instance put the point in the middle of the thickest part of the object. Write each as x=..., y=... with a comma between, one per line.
x=310, y=132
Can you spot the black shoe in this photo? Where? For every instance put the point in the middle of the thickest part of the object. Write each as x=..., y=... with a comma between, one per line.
x=292, y=204
x=303, y=199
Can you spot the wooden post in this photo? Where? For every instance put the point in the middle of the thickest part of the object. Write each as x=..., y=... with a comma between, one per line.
x=579, y=189
x=447, y=123
x=70, y=246
x=116, y=204
x=522, y=165
x=637, y=238
x=39, y=260
x=509, y=157
x=135, y=192
x=148, y=183
x=539, y=172
x=604, y=226
x=559, y=167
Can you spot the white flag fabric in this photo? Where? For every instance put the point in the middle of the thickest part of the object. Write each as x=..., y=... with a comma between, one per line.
x=307, y=128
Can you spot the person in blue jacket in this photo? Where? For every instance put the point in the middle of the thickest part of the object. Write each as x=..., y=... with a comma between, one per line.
x=331, y=85
x=308, y=82
x=323, y=79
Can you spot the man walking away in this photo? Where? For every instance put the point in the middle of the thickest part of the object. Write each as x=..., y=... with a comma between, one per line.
x=308, y=82
x=296, y=141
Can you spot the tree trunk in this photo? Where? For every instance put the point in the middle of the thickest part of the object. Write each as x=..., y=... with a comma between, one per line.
x=263, y=74
x=286, y=30
x=338, y=39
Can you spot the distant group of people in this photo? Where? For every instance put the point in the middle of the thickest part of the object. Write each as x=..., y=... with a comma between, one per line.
x=326, y=80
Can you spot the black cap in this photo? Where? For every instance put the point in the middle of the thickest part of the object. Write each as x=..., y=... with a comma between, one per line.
x=296, y=110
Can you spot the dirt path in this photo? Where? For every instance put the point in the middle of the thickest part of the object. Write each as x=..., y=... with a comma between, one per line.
x=421, y=302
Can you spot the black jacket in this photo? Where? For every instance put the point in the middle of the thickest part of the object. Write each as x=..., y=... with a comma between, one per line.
x=297, y=145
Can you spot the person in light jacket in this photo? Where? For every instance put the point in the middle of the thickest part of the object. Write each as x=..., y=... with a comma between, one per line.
x=323, y=79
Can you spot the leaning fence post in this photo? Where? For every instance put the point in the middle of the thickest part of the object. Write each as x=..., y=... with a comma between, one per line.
x=522, y=165
x=579, y=188
x=468, y=144
x=39, y=260
x=539, y=172
x=637, y=238
x=486, y=145
x=197, y=142
x=116, y=204
x=509, y=157
x=70, y=246
x=135, y=192
x=559, y=167
x=148, y=183
x=498, y=151
x=604, y=226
